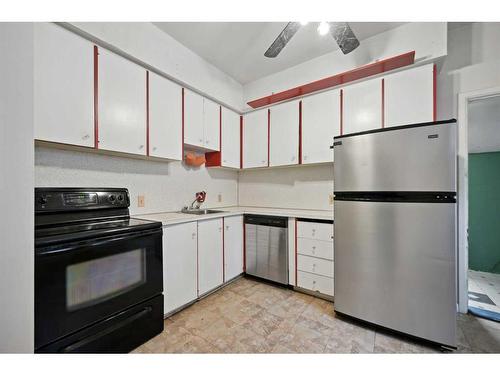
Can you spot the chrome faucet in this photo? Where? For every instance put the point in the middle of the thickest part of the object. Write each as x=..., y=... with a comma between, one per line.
x=195, y=205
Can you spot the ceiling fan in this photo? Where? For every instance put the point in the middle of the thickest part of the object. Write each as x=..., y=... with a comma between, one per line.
x=340, y=31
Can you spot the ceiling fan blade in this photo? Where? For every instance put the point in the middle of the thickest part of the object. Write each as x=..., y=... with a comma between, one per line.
x=343, y=35
x=280, y=42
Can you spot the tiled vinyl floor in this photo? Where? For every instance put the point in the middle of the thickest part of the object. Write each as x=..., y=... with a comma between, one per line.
x=484, y=283
x=247, y=316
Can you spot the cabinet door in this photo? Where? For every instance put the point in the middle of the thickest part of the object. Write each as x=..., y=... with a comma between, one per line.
x=409, y=96
x=362, y=106
x=284, y=134
x=320, y=123
x=230, y=143
x=165, y=118
x=233, y=247
x=63, y=86
x=122, y=104
x=211, y=125
x=255, y=139
x=193, y=119
x=179, y=265
x=210, y=259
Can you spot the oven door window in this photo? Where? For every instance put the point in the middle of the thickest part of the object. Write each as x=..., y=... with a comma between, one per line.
x=94, y=281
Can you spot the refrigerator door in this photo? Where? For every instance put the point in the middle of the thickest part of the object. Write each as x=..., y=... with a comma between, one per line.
x=420, y=158
x=395, y=266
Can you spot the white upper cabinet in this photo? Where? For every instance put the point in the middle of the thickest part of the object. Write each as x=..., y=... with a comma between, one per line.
x=165, y=118
x=320, y=123
x=409, y=96
x=230, y=143
x=193, y=119
x=284, y=134
x=211, y=125
x=233, y=247
x=210, y=255
x=122, y=104
x=63, y=86
x=362, y=106
x=179, y=265
x=255, y=139
x=201, y=121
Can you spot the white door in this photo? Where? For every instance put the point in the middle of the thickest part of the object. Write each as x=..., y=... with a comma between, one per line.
x=284, y=134
x=362, y=106
x=210, y=259
x=63, y=86
x=122, y=104
x=179, y=265
x=409, y=96
x=255, y=139
x=233, y=247
x=320, y=123
x=230, y=143
x=165, y=118
x=193, y=119
x=211, y=125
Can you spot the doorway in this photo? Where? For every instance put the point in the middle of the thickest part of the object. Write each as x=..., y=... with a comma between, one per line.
x=483, y=154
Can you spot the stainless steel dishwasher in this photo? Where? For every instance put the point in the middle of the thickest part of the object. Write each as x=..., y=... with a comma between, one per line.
x=266, y=247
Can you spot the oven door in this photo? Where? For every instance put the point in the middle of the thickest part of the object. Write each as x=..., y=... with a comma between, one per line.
x=79, y=284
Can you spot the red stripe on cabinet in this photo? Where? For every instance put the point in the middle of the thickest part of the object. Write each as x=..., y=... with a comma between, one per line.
x=341, y=112
x=296, y=273
x=182, y=150
x=268, y=135
x=147, y=113
x=383, y=102
x=300, y=132
x=241, y=142
x=96, y=97
x=244, y=248
x=220, y=130
x=434, y=93
x=338, y=79
x=223, y=254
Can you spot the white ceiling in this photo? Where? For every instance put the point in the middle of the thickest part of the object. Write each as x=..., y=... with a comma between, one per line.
x=237, y=48
x=484, y=125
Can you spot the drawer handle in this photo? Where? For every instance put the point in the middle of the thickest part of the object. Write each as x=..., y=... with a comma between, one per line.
x=86, y=136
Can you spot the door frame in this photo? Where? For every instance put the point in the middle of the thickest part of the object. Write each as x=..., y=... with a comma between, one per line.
x=463, y=191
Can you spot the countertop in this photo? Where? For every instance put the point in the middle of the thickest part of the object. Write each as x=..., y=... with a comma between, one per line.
x=169, y=218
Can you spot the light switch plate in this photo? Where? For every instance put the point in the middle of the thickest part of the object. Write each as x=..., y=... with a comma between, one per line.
x=140, y=201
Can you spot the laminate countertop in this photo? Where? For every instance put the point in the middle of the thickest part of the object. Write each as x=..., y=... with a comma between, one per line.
x=169, y=218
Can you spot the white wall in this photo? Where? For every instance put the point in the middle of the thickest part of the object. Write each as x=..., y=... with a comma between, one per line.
x=306, y=187
x=166, y=186
x=427, y=39
x=148, y=43
x=473, y=63
x=16, y=188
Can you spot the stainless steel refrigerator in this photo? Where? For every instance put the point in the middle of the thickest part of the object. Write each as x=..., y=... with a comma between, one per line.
x=395, y=228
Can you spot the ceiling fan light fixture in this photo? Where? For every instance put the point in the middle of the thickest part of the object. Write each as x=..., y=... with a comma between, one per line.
x=323, y=28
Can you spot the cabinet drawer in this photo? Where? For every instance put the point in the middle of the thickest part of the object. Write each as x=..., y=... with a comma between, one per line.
x=315, y=248
x=316, y=231
x=315, y=265
x=315, y=283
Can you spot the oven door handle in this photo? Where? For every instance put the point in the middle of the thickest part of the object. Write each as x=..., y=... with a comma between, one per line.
x=89, y=339
x=64, y=248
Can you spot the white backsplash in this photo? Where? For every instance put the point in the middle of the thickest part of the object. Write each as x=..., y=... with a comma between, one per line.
x=167, y=186
x=304, y=187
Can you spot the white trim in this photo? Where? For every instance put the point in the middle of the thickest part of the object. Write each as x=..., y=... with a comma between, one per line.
x=463, y=190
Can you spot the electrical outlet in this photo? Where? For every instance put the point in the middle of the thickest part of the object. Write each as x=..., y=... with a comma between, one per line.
x=330, y=199
x=219, y=197
x=141, y=201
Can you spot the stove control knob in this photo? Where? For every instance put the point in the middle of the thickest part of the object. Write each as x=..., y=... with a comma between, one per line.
x=120, y=198
x=42, y=200
x=111, y=198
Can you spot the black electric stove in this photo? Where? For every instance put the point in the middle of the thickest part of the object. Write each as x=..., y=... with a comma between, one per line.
x=98, y=273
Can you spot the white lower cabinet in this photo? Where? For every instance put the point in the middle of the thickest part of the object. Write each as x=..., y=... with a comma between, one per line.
x=315, y=256
x=179, y=265
x=233, y=247
x=210, y=255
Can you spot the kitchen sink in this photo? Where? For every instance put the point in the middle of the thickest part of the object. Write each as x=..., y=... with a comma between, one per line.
x=200, y=212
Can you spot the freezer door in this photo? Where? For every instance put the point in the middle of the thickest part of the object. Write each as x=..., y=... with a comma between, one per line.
x=395, y=266
x=409, y=159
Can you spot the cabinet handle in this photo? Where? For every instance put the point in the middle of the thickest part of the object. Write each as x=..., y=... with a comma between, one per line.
x=154, y=148
x=293, y=158
x=225, y=161
x=227, y=227
x=193, y=236
x=86, y=136
x=201, y=140
x=305, y=157
x=141, y=147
